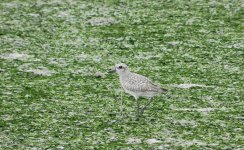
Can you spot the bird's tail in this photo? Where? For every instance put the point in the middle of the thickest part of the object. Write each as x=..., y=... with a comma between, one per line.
x=162, y=90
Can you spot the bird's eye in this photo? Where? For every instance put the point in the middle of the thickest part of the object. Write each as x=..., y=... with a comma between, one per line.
x=120, y=67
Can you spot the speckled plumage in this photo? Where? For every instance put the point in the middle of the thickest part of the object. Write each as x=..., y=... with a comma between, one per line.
x=137, y=85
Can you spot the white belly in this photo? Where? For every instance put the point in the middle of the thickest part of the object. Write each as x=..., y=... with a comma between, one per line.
x=140, y=94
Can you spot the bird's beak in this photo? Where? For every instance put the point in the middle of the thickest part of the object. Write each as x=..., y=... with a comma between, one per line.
x=112, y=70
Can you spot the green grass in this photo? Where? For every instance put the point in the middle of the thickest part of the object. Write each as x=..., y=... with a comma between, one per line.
x=171, y=42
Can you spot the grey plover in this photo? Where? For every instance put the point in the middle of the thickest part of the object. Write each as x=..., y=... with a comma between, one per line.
x=137, y=85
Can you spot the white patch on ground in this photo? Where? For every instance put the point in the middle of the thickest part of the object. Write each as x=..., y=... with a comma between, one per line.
x=102, y=21
x=133, y=141
x=146, y=55
x=195, y=109
x=164, y=146
x=65, y=15
x=93, y=41
x=183, y=142
x=232, y=69
x=209, y=98
x=109, y=129
x=193, y=20
x=33, y=15
x=24, y=67
x=187, y=86
x=2, y=70
x=60, y=147
x=55, y=2
x=60, y=62
x=238, y=129
x=193, y=142
x=190, y=21
x=85, y=57
x=237, y=46
x=12, y=56
x=174, y=43
x=82, y=56
x=166, y=132
x=7, y=117
x=152, y=141
x=77, y=42
x=97, y=58
x=188, y=56
x=186, y=122
x=111, y=135
x=14, y=41
x=7, y=93
x=239, y=118
x=41, y=71
x=86, y=71
x=220, y=123
x=204, y=111
x=213, y=41
x=38, y=71
x=11, y=5
x=204, y=31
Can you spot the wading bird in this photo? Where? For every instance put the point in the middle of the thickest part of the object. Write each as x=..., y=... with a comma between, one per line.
x=137, y=86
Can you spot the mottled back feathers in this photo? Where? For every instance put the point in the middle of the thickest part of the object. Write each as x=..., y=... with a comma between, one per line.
x=138, y=83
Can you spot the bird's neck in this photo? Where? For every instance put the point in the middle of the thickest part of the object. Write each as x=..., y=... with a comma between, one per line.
x=124, y=74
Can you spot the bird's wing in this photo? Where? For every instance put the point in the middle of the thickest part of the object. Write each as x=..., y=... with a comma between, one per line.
x=139, y=83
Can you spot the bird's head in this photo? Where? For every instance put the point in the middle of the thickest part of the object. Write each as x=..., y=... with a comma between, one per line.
x=120, y=69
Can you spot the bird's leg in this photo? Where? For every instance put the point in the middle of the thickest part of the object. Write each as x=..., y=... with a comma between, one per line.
x=137, y=108
x=121, y=104
x=147, y=104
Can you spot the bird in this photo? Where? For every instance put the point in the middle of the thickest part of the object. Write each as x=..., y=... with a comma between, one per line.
x=138, y=86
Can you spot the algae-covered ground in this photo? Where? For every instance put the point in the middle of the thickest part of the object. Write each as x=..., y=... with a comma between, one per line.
x=52, y=50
